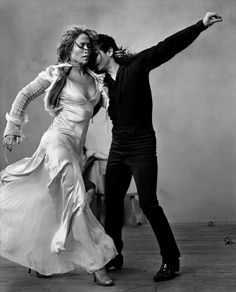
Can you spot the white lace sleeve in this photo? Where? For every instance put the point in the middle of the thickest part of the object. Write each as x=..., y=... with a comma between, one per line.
x=17, y=116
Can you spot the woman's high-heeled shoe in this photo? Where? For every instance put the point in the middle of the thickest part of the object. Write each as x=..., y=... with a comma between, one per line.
x=39, y=275
x=101, y=278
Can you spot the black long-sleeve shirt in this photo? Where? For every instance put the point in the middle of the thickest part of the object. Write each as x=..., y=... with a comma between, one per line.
x=130, y=94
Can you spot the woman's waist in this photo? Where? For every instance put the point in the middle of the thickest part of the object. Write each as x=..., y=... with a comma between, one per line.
x=72, y=117
x=75, y=115
x=64, y=123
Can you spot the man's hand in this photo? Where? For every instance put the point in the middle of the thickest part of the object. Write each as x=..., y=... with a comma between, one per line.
x=211, y=18
x=9, y=141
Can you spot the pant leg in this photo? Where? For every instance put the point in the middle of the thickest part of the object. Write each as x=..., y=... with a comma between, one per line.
x=144, y=168
x=117, y=181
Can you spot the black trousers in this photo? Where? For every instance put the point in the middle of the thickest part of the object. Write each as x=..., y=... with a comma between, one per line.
x=133, y=153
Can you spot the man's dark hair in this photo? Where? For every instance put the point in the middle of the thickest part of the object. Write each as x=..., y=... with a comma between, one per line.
x=121, y=56
x=105, y=42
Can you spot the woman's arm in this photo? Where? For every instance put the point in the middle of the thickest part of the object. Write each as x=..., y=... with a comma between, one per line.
x=17, y=116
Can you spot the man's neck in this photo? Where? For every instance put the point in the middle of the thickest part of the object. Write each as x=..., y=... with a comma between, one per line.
x=113, y=69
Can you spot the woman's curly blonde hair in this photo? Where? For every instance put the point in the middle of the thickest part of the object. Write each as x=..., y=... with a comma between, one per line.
x=68, y=39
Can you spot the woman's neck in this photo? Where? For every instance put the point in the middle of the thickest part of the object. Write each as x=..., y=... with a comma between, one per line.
x=78, y=69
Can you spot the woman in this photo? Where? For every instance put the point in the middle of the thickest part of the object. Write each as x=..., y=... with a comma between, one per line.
x=45, y=222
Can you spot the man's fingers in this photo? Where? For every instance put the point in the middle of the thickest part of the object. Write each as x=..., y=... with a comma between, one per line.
x=211, y=18
x=216, y=18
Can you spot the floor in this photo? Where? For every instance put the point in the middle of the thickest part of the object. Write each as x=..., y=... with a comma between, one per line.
x=208, y=263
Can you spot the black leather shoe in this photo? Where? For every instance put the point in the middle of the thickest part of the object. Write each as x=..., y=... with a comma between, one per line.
x=167, y=271
x=115, y=263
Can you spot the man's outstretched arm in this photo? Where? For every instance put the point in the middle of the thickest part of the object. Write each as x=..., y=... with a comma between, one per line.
x=165, y=50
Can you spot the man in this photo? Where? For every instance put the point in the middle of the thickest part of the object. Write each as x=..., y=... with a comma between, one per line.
x=133, y=147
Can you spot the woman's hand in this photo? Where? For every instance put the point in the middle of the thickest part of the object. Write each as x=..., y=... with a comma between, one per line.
x=210, y=18
x=9, y=141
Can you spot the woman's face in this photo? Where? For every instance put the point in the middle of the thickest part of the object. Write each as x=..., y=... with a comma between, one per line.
x=81, y=50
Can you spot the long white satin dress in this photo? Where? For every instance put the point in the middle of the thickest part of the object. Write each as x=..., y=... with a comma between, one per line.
x=45, y=222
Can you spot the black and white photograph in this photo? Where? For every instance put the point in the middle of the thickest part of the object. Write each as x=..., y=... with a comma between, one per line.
x=118, y=146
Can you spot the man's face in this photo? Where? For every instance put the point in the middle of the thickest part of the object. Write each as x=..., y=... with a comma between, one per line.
x=102, y=61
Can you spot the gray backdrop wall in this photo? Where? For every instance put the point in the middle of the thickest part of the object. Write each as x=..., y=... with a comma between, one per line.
x=193, y=94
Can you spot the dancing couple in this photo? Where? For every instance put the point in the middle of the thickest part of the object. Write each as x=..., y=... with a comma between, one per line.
x=45, y=221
